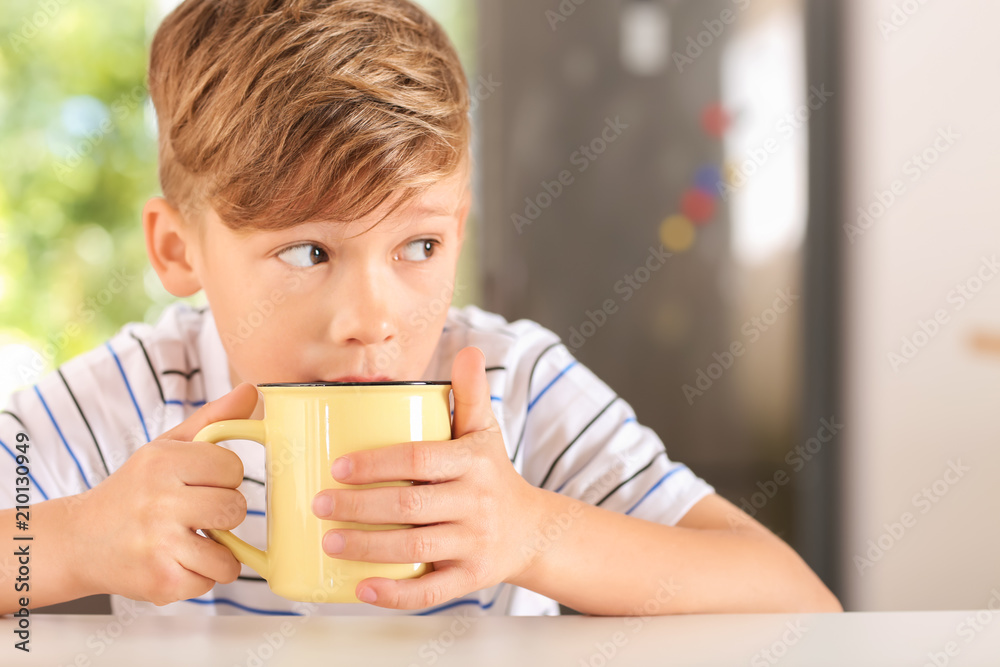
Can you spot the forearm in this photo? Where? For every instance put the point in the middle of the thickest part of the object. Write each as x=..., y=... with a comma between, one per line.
x=42, y=570
x=601, y=562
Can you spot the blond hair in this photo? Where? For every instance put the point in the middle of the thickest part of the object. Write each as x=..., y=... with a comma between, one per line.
x=277, y=112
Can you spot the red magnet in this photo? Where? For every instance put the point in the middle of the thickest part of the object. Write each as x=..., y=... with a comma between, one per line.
x=715, y=120
x=698, y=206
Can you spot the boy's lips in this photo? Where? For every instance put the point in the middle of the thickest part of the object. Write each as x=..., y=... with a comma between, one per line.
x=361, y=378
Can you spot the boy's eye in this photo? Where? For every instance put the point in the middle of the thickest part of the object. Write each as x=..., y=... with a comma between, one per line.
x=304, y=256
x=418, y=251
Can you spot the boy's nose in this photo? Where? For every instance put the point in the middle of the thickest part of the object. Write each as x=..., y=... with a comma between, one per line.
x=371, y=332
x=363, y=316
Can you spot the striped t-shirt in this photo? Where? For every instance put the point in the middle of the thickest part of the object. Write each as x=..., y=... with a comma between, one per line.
x=565, y=431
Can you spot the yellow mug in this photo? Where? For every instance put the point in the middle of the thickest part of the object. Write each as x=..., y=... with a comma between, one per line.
x=306, y=427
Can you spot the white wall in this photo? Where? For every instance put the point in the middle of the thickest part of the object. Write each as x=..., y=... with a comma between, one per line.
x=940, y=70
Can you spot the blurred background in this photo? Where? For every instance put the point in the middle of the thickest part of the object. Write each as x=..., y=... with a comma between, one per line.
x=767, y=224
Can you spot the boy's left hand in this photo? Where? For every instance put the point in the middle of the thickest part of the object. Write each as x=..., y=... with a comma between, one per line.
x=470, y=520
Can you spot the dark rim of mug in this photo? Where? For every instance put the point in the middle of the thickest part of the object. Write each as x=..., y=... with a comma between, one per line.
x=394, y=383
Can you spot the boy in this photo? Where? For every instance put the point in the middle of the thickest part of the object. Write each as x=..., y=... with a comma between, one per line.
x=314, y=158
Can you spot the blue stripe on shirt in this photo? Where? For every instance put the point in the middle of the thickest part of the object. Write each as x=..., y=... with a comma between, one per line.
x=464, y=601
x=62, y=437
x=656, y=486
x=129, y=387
x=549, y=385
x=252, y=610
x=38, y=486
x=194, y=404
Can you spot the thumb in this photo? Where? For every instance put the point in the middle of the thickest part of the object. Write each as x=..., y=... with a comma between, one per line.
x=473, y=411
x=237, y=404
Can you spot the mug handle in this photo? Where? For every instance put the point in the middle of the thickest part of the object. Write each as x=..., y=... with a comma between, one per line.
x=237, y=429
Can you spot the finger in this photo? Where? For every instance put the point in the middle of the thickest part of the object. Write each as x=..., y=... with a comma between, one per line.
x=209, y=507
x=473, y=411
x=183, y=584
x=409, y=461
x=206, y=464
x=207, y=558
x=410, y=504
x=430, y=590
x=426, y=544
x=237, y=404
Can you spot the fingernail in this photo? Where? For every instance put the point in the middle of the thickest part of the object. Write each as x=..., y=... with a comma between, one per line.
x=322, y=505
x=333, y=543
x=341, y=468
x=366, y=595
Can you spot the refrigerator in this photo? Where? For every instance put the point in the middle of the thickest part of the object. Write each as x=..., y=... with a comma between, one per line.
x=657, y=180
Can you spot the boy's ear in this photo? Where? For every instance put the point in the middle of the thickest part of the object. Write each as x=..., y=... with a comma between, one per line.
x=168, y=244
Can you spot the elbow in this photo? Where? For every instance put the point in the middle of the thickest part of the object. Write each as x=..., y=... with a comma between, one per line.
x=819, y=601
x=831, y=605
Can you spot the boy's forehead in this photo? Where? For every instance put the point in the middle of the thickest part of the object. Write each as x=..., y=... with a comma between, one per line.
x=442, y=200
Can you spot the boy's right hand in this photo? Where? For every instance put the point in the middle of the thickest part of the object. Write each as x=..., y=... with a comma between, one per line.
x=135, y=531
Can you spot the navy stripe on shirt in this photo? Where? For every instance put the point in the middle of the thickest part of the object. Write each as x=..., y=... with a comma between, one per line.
x=85, y=421
x=531, y=377
x=573, y=441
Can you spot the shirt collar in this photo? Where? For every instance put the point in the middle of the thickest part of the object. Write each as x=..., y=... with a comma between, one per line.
x=214, y=361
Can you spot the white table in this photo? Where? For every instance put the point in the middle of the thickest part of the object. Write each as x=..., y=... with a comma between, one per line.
x=843, y=640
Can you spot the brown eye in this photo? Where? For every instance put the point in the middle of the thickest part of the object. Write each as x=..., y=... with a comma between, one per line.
x=418, y=251
x=304, y=256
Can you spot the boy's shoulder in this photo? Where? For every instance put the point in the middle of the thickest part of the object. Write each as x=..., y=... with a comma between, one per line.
x=479, y=323
x=503, y=342
x=521, y=355
x=170, y=344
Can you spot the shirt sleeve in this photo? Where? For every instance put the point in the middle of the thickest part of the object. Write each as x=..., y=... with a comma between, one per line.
x=62, y=459
x=579, y=438
x=82, y=421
